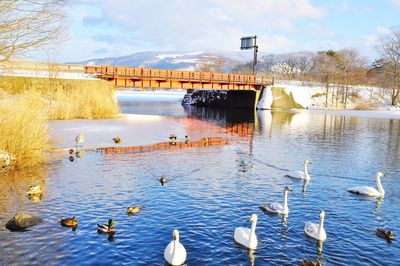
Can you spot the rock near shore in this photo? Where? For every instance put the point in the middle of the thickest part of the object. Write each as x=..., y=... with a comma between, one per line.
x=21, y=221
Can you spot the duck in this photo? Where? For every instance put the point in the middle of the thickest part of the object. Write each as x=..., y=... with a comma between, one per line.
x=79, y=140
x=300, y=174
x=117, y=140
x=370, y=191
x=106, y=228
x=35, y=190
x=133, y=209
x=247, y=236
x=316, y=231
x=308, y=262
x=80, y=154
x=69, y=222
x=175, y=252
x=35, y=197
x=276, y=207
x=163, y=180
x=172, y=137
x=71, y=152
x=388, y=235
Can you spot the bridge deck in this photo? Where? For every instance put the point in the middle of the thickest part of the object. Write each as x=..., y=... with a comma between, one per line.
x=158, y=78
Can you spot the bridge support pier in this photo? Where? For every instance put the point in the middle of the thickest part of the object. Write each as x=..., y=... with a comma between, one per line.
x=243, y=99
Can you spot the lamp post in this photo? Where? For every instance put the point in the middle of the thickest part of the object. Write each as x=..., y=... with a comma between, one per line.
x=250, y=42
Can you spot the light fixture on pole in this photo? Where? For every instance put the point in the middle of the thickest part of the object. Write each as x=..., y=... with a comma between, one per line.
x=247, y=43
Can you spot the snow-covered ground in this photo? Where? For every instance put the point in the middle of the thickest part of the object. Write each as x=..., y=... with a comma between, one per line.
x=145, y=129
x=312, y=96
x=143, y=96
x=46, y=74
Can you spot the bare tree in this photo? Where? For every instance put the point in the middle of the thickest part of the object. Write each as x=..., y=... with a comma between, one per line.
x=351, y=68
x=305, y=65
x=267, y=63
x=389, y=49
x=210, y=64
x=29, y=24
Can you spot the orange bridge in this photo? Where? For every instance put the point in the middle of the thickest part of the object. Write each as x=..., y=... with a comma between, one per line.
x=165, y=79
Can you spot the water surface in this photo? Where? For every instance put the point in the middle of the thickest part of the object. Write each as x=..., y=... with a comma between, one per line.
x=212, y=190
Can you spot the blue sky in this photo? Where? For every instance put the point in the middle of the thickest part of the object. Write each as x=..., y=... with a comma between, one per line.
x=109, y=28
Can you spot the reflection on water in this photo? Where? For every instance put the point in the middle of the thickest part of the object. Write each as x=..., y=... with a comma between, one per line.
x=305, y=184
x=210, y=191
x=14, y=187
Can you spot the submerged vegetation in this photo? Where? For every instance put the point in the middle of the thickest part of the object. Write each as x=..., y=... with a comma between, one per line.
x=26, y=105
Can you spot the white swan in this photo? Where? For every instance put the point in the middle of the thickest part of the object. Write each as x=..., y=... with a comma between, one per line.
x=276, y=207
x=300, y=174
x=316, y=231
x=370, y=191
x=175, y=252
x=245, y=236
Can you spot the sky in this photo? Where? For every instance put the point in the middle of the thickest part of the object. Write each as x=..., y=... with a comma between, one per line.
x=111, y=28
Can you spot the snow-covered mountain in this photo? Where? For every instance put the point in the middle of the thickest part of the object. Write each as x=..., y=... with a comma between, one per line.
x=172, y=60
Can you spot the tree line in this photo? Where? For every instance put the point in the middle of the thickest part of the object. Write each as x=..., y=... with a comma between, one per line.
x=341, y=71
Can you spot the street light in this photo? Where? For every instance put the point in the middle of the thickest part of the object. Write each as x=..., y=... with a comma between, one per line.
x=250, y=42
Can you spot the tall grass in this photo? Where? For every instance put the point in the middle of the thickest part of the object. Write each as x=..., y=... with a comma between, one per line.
x=67, y=98
x=26, y=105
x=23, y=129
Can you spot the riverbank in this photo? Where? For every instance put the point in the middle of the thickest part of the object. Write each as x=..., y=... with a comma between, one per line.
x=28, y=103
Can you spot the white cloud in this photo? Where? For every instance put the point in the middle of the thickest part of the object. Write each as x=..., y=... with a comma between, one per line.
x=317, y=31
x=208, y=24
x=396, y=2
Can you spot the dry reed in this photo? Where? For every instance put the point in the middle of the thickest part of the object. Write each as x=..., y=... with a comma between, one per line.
x=26, y=105
x=23, y=130
x=67, y=98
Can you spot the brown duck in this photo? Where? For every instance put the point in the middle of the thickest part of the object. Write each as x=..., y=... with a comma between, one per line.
x=308, y=262
x=69, y=222
x=133, y=209
x=117, y=140
x=163, y=180
x=388, y=235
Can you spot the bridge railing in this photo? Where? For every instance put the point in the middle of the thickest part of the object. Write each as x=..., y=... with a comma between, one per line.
x=183, y=76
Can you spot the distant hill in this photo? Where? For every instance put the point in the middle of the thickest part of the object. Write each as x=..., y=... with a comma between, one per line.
x=171, y=60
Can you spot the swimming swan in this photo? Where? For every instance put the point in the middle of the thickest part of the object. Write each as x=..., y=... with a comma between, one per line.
x=316, y=231
x=245, y=236
x=300, y=174
x=175, y=252
x=276, y=207
x=370, y=191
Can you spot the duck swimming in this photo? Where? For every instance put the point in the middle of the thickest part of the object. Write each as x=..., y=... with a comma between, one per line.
x=35, y=190
x=388, y=235
x=308, y=262
x=163, y=180
x=133, y=209
x=69, y=222
x=106, y=228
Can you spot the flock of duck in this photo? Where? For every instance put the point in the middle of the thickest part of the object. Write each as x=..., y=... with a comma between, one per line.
x=175, y=253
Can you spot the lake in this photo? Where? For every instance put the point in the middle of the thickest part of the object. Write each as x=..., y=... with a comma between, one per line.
x=213, y=189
